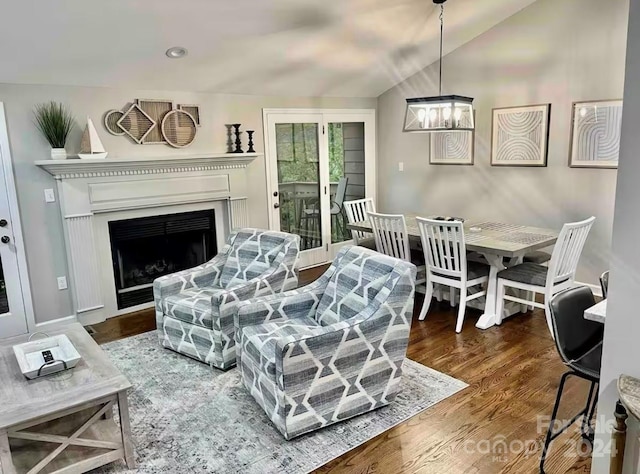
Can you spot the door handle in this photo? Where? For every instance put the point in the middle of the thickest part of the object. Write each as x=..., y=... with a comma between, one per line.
x=276, y=205
x=5, y=239
x=3, y=222
x=275, y=194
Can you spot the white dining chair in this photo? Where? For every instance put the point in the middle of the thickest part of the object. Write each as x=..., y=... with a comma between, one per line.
x=357, y=211
x=534, y=278
x=446, y=264
x=391, y=237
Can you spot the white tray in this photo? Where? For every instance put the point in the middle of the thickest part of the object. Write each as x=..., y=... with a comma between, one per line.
x=31, y=360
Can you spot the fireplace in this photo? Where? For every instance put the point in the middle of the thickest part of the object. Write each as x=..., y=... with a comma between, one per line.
x=146, y=248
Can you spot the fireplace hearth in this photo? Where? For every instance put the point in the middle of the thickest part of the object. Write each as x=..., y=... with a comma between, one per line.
x=146, y=248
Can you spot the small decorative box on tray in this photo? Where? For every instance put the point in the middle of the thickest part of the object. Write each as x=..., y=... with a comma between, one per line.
x=46, y=356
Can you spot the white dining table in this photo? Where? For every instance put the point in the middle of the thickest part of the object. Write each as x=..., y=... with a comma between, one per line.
x=502, y=245
x=598, y=312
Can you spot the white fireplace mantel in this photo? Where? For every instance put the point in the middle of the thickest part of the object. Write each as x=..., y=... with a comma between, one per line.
x=90, y=168
x=93, y=192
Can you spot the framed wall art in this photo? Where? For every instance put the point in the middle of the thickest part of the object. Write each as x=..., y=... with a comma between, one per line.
x=451, y=148
x=520, y=135
x=595, y=134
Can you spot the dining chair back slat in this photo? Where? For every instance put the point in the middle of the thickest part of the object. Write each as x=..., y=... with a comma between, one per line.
x=390, y=233
x=357, y=211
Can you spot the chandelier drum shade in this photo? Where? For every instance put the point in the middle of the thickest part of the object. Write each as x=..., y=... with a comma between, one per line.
x=440, y=113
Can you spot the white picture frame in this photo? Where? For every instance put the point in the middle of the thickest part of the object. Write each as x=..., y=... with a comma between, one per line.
x=520, y=135
x=595, y=134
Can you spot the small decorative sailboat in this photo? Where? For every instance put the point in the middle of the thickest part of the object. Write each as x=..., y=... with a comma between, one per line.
x=91, y=146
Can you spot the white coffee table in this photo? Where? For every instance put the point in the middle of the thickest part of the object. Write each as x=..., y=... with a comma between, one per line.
x=63, y=422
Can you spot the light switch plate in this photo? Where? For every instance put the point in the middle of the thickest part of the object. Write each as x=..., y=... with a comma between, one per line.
x=49, y=195
x=62, y=283
x=400, y=166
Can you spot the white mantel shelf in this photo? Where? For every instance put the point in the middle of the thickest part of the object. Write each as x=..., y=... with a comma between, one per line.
x=88, y=168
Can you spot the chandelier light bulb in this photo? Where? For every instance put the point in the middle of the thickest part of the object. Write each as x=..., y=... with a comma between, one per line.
x=446, y=113
x=457, y=113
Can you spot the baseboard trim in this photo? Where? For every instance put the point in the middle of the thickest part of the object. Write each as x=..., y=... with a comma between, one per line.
x=56, y=323
x=597, y=291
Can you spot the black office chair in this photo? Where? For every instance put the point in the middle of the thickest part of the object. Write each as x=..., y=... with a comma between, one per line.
x=579, y=343
x=604, y=283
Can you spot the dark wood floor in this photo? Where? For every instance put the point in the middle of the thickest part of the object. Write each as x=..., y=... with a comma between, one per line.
x=513, y=373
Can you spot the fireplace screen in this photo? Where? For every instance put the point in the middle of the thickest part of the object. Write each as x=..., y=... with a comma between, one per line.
x=146, y=248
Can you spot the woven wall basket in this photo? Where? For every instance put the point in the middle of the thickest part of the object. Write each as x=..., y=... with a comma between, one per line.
x=179, y=128
x=194, y=110
x=156, y=109
x=136, y=123
x=111, y=122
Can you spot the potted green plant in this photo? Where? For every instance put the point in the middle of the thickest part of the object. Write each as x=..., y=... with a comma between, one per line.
x=55, y=122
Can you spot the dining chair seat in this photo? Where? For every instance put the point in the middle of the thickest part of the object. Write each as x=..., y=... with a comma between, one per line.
x=589, y=363
x=537, y=256
x=474, y=270
x=529, y=273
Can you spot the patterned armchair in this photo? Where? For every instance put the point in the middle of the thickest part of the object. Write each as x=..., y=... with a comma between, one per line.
x=330, y=350
x=195, y=308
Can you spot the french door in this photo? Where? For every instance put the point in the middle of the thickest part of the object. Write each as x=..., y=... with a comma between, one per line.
x=316, y=160
x=13, y=319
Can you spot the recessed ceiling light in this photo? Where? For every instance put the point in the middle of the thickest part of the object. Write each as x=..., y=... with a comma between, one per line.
x=176, y=52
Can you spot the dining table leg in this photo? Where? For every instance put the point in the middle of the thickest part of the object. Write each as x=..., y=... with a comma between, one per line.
x=488, y=318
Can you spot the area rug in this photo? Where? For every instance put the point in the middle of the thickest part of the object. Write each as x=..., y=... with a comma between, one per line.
x=189, y=418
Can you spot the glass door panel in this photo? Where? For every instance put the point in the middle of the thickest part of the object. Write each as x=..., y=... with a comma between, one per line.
x=298, y=164
x=346, y=172
x=12, y=309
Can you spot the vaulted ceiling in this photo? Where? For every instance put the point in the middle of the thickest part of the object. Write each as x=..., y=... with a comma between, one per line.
x=351, y=48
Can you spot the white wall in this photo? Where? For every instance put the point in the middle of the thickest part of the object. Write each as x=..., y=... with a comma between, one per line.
x=554, y=51
x=42, y=223
x=621, y=354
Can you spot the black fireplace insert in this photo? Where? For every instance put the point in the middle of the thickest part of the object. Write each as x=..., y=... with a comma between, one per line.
x=146, y=248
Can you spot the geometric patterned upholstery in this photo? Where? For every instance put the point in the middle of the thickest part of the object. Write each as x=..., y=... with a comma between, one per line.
x=195, y=308
x=306, y=372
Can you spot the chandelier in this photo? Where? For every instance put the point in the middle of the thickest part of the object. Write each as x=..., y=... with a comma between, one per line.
x=442, y=112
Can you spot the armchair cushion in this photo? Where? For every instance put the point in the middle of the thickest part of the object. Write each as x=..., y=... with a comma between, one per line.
x=191, y=306
x=252, y=255
x=353, y=287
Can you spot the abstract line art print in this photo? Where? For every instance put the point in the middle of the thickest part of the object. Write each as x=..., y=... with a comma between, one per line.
x=595, y=134
x=520, y=136
x=451, y=148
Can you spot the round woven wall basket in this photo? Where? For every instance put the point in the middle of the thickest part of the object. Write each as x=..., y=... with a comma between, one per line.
x=111, y=122
x=179, y=128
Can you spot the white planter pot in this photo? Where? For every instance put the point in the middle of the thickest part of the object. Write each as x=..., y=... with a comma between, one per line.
x=58, y=154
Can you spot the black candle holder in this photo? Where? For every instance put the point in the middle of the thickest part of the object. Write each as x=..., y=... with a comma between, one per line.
x=250, y=135
x=238, y=149
x=229, y=138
